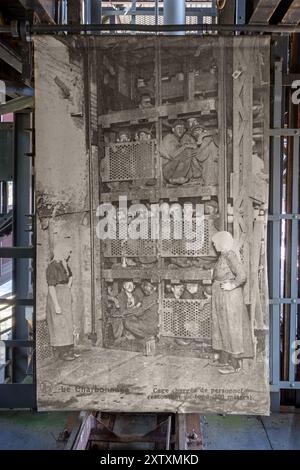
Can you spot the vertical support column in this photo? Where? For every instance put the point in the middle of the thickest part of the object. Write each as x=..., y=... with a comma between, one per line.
x=22, y=237
x=88, y=11
x=174, y=13
x=92, y=11
x=240, y=12
x=294, y=257
x=242, y=150
x=275, y=233
x=222, y=125
x=156, y=12
x=133, y=11
x=96, y=11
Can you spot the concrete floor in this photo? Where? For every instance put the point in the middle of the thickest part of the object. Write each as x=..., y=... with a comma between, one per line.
x=22, y=430
x=25, y=430
x=276, y=432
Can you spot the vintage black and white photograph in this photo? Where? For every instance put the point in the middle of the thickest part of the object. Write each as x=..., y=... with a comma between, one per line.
x=152, y=198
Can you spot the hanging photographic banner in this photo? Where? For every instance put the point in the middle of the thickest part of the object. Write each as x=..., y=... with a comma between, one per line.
x=152, y=195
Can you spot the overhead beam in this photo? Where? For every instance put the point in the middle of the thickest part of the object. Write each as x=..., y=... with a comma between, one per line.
x=13, y=88
x=263, y=11
x=44, y=9
x=16, y=104
x=10, y=56
x=292, y=16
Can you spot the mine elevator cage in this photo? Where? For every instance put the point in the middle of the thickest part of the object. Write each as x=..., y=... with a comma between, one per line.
x=283, y=241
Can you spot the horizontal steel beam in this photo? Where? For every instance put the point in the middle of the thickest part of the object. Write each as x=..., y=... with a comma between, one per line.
x=283, y=132
x=18, y=343
x=52, y=29
x=18, y=396
x=18, y=302
x=17, y=104
x=284, y=301
x=17, y=252
x=276, y=217
x=14, y=88
x=146, y=11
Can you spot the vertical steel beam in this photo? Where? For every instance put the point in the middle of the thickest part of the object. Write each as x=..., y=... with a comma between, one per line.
x=294, y=256
x=22, y=237
x=88, y=11
x=174, y=13
x=156, y=12
x=96, y=11
x=133, y=11
x=275, y=203
x=240, y=12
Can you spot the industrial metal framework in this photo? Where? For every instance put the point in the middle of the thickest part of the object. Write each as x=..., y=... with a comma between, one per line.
x=284, y=195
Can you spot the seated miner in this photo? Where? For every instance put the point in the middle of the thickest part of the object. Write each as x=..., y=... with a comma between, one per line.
x=207, y=154
x=110, y=301
x=145, y=101
x=188, y=137
x=129, y=299
x=143, y=323
x=187, y=154
x=177, y=290
x=193, y=290
x=144, y=135
x=124, y=136
x=173, y=152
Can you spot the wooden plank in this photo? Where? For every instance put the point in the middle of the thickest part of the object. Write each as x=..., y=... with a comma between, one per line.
x=222, y=118
x=184, y=191
x=181, y=443
x=292, y=16
x=172, y=111
x=263, y=11
x=193, y=432
x=184, y=274
x=189, y=433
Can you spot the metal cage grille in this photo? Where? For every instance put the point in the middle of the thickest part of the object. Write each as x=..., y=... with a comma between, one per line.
x=43, y=347
x=129, y=248
x=129, y=161
x=188, y=246
x=186, y=319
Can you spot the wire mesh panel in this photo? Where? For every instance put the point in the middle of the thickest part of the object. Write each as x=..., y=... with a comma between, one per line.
x=186, y=318
x=129, y=248
x=44, y=349
x=188, y=245
x=128, y=161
